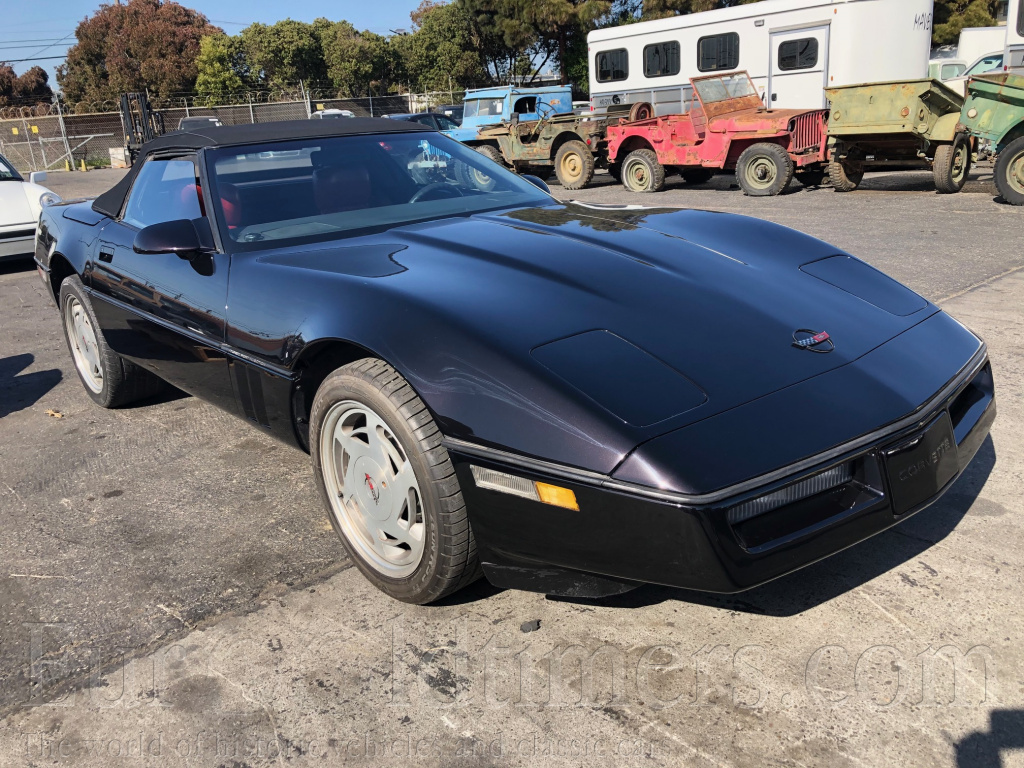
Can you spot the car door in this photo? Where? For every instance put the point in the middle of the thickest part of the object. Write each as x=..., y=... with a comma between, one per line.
x=798, y=68
x=164, y=312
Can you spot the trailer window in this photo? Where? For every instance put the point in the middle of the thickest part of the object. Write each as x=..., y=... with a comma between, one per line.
x=612, y=65
x=718, y=52
x=661, y=59
x=1020, y=19
x=798, y=54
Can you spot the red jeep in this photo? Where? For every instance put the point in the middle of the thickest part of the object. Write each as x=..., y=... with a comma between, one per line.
x=727, y=127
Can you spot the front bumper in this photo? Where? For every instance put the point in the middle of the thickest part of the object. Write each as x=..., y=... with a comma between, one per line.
x=625, y=535
x=18, y=244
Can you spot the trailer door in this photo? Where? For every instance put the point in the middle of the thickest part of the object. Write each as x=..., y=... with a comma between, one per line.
x=798, y=69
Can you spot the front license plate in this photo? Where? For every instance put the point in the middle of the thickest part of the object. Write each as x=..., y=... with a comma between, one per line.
x=920, y=467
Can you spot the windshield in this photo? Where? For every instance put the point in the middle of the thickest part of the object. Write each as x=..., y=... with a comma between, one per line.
x=987, y=64
x=269, y=195
x=483, y=107
x=446, y=123
x=724, y=88
x=7, y=172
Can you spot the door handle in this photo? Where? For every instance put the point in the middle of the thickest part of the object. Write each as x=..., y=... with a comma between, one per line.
x=106, y=255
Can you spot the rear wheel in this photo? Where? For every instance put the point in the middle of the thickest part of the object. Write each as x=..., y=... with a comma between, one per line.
x=1010, y=172
x=641, y=171
x=845, y=175
x=109, y=380
x=389, y=485
x=764, y=170
x=697, y=175
x=951, y=165
x=574, y=164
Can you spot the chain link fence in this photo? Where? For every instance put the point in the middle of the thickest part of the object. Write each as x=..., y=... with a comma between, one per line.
x=50, y=138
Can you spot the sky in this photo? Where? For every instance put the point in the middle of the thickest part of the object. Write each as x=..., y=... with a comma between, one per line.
x=43, y=31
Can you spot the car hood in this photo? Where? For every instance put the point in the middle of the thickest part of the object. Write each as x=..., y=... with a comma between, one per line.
x=715, y=297
x=15, y=204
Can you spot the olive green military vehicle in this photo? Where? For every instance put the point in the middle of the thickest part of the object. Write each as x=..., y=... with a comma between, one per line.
x=911, y=124
x=568, y=145
x=994, y=112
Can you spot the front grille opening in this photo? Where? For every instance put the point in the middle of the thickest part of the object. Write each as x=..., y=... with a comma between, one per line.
x=968, y=406
x=775, y=518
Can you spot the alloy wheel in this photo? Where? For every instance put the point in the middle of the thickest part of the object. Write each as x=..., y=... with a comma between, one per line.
x=374, y=495
x=84, y=348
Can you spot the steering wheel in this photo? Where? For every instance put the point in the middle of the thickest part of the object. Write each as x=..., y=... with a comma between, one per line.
x=437, y=186
x=545, y=110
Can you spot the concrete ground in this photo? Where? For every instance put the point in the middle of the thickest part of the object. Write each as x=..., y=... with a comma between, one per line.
x=171, y=592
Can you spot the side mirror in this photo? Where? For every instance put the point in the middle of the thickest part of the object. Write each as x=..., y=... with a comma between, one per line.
x=186, y=238
x=37, y=177
x=537, y=182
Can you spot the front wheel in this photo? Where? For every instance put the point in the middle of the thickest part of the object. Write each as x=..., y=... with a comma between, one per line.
x=109, y=380
x=574, y=165
x=951, y=165
x=389, y=485
x=764, y=170
x=1010, y=172
x=641, y=171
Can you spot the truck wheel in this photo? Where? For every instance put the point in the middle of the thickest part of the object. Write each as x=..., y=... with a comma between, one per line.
x=845, y=176
x=764, y=170
x=473, y=177
x=641, y=111
x=951, y=165
x=1010, y=173
x=641, y=171
x=697, y=175
x=574, y=164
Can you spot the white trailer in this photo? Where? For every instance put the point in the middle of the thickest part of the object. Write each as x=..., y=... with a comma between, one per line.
x=792, y=49
x=1013, y=58
x=976, y=42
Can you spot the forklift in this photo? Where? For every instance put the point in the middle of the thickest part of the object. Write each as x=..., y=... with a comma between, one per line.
x=141, y=123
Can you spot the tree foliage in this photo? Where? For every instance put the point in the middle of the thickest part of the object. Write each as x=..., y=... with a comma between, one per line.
x=953, y=16
x=140, y=45
x=30, y=88
x=441, y=51
x=220, y=66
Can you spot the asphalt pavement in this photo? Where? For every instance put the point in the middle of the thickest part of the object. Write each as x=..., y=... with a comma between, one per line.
x=171, y=592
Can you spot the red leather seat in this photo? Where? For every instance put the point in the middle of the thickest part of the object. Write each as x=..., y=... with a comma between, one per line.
x=342, y=188
x=231, y=204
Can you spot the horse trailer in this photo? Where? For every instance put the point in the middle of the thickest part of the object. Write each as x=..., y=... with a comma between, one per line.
x=1013, y=57
x=792, y=49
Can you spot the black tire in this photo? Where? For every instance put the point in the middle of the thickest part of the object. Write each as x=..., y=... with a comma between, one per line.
x=641, y=171
x=615, y=171
x=642, y=110
x=951, y=165
x=574, y=165
x=473, y=178
x=811, y=178
x=764, y=170
x=697, y=175
x=449, y=559
x=1010, y=172
x=122, y=382
x=845, y=176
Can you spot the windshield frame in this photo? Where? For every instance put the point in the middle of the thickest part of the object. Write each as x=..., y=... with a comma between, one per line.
x=7, y=165
x=209, y=156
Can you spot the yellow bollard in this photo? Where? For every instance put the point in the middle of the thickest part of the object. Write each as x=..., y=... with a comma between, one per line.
x=67, y=165
x=84, y=169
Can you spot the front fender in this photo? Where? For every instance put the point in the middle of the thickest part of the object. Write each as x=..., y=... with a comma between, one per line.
x=945, y=128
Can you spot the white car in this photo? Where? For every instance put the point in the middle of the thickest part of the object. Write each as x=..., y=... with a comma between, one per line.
x=992, y=62
x=331, y=114
x=20, y=204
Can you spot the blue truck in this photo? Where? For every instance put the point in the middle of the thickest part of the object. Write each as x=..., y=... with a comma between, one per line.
x=490, y=106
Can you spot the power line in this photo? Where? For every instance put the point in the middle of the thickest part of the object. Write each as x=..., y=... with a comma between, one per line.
x=14, y=47
x=34, y=58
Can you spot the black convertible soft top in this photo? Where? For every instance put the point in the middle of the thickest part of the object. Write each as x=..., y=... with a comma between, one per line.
x=111, y=201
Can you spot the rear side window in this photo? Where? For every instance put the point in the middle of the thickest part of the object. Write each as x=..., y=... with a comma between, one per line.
x=951, y=70
x=661, y=59
x=164, y=190
x=718, y=52
x=612, y=65
x=798, y=54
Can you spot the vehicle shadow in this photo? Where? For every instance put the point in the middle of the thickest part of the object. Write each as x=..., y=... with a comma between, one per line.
x=830, y=578
x=18, y=392
x=981, y=749
x=16, y=266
